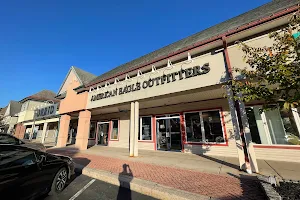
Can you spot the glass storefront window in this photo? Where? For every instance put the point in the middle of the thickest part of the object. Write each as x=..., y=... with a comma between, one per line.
x=272, y=126
x=93, y=130
x=193, y=127
x=212, y=126
x=204, y=127
x=145, y=129
x=115, y=130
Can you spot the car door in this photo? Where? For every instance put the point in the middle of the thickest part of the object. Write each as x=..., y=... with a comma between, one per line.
x=18, y=172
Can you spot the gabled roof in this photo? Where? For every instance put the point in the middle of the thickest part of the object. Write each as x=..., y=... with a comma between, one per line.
x=3, y=110
x=83, y=76
x=43, y=95
x=15, y=107
x=12, y=108
x=231, y=24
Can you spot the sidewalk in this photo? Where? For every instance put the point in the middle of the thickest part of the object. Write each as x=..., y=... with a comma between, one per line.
x=179, y=171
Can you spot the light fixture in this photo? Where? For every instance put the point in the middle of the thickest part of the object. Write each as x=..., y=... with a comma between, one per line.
x=127, y=78
x=189, y=58
x=169, y=64
x=116, y=80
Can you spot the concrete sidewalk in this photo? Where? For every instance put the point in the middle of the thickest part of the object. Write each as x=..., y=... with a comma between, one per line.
x=167, y=175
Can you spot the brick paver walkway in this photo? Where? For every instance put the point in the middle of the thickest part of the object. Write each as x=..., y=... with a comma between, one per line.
x=217, y=186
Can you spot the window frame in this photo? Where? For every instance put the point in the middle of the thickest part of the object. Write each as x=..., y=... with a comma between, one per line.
x=266, y=128
x=202, y=128
x=111, y=129
x=140, y=129
x=95, y=130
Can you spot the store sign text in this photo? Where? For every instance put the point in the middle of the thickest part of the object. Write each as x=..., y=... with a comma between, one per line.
x=46, y=111
x=160, y=80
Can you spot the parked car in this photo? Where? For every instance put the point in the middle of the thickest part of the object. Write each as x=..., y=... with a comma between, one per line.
x=27, y=173
x=10, y=139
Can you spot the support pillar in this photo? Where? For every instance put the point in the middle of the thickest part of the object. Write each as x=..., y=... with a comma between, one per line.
x=20, y=131
x=237, y=136
x=44, y=132
x=248, y=139
x=63, y=130
x=131, y=131
x=136, y=129
x=83, y=130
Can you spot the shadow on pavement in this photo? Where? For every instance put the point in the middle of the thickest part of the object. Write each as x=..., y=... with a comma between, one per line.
x=125, y=177
x=250, y=188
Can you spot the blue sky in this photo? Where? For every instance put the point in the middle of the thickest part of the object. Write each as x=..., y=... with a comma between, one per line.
x=41, y=40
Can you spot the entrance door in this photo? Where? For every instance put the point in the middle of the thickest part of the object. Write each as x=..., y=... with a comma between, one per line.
x=168, y=133
x=102, y=136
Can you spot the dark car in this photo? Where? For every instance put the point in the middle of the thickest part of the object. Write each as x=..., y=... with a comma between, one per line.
x=12, y=140
x=27, y=173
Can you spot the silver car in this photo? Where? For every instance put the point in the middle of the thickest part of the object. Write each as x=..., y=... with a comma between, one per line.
x=10, y=139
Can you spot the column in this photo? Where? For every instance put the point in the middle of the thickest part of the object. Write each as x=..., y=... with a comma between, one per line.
x=83, y=130
x=136, y=129
x=237, y=136
x=44, y=132
x=63, y=130
x=131, y=131
x=20, y=131
x=248, y=139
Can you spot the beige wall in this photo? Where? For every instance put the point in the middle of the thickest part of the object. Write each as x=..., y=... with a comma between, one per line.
x=236, y=54
x=28, y=114
x=216, y=74
x=289, y=155
x=123, y=128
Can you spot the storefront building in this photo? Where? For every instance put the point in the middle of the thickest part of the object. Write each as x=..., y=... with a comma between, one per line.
x=38, y=120
x=173, y=99
x=9, y=117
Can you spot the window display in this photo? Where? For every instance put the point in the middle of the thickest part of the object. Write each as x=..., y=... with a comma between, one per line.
x=204, y=126
x=145, y=130
x=115, y=130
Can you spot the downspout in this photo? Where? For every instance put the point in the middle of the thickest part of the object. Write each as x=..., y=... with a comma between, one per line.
x=238, y=110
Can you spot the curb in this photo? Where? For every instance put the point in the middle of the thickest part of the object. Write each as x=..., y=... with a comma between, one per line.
x=141, y=186
x=270, y=192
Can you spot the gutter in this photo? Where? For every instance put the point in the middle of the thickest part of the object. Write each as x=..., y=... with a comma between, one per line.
x=201, y=43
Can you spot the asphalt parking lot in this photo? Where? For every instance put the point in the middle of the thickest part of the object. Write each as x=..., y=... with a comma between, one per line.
x=86, y=188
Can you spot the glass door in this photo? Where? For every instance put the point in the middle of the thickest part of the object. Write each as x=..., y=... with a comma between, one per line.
x=168, y=133
x=102, y=133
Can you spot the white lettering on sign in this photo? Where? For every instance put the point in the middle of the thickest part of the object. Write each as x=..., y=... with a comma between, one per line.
x=46, y=111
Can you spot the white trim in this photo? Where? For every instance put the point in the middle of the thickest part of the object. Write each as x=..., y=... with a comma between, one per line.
x=72, y=68
x=297, y=118
x=111, y=129
x=141, y=128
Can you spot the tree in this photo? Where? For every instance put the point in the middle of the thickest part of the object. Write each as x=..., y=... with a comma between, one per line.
x=274, y=75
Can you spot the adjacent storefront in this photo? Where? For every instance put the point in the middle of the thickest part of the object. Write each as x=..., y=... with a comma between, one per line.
x=43, y=126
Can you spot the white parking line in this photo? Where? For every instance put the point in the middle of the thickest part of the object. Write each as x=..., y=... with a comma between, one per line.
x=80, y=191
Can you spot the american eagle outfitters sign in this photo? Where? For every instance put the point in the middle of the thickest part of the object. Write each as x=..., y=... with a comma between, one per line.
x=160, y=80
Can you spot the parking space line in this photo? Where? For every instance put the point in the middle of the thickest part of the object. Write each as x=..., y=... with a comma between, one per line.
x=84, y=188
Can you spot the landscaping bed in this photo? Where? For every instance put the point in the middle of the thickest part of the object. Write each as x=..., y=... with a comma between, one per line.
x=288, y=190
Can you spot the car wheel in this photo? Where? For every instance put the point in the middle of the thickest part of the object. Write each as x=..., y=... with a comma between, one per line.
x=59, y=181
